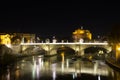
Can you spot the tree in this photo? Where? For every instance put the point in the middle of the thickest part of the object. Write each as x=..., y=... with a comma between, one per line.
x=114, y=40
x=114, y=36
x=16, y=39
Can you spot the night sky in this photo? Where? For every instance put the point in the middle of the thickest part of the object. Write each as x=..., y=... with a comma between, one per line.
x=59, y=18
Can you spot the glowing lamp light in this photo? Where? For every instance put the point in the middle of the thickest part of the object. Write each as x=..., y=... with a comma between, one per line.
x=118, y=47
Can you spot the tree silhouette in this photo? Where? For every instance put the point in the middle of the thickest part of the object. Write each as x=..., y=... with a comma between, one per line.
x=16, y=39
x=114, y=35
x=114, y=41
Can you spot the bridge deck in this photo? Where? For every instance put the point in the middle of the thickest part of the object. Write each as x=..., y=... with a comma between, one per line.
x=64, y=43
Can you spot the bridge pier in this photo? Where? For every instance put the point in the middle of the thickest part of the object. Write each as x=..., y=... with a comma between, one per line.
x=79, y=50
x=49, y=50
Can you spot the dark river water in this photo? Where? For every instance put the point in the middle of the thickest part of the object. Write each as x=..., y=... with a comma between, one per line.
x=58, y=68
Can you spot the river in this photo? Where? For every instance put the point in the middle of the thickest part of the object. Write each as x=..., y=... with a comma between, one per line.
x=58, y=68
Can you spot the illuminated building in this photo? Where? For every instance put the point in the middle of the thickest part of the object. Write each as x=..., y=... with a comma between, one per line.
x=81, y=34
x=28, y=38
x=16, y=38
x=5, y=38
x=23, y=37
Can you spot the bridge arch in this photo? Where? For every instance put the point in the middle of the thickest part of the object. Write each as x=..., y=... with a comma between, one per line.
x=58, y=48
x=95, y=49
x=33, y=50
x=106, y=49
x=65, y=49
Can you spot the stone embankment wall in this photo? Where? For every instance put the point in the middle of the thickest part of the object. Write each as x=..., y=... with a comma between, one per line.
x=6, y=55
x=5, y=50
x=16, y=49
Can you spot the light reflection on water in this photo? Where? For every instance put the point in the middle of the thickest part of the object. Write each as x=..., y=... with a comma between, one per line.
x=40, y=68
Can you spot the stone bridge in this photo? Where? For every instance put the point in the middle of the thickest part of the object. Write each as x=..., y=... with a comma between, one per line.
x=51, y=48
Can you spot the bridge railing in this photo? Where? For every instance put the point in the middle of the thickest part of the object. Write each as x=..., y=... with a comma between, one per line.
x=77, y=43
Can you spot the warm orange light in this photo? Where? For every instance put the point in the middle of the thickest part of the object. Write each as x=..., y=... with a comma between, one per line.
x=118, y=47
x=62, y=54
x=117, y=54
x=80, y=33
x=5, y=39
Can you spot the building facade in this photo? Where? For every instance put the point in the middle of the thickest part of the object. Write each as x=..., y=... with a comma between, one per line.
x=28, y=38
x=5, y=38
x=16, y=38
x=81, y=34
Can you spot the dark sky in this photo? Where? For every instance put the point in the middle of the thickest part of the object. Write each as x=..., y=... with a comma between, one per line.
x=59, y=18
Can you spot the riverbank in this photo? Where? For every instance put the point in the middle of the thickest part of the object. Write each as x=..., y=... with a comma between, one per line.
x=112, y=63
